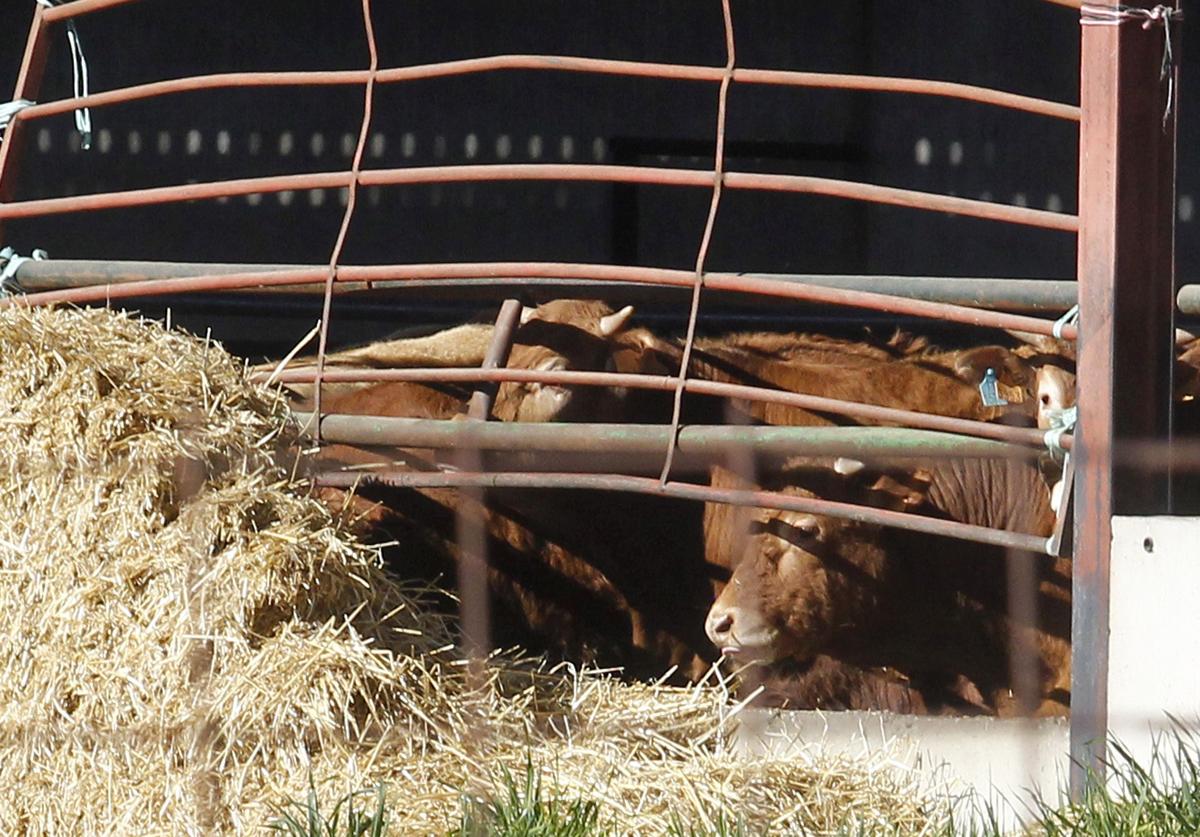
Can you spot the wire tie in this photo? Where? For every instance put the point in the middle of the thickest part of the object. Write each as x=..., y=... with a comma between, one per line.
x=1096, y=15
x=10, y=109
x=1061, y=422
x=79, y=77
x=10, y=263
x=1069, y=318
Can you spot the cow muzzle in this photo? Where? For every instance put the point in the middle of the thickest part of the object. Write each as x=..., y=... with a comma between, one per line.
x=739, y=635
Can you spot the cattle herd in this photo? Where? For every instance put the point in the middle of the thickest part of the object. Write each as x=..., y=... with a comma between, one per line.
x=821, y=612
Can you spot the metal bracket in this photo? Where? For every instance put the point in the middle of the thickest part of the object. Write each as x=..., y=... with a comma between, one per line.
x=1061, y=543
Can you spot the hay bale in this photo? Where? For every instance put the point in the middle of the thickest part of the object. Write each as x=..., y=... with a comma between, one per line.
x=188, y=637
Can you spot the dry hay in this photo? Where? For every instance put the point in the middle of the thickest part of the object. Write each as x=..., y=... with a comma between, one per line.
x=188, y=638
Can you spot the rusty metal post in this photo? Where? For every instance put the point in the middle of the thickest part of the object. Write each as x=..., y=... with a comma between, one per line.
x=1126, y=292
x=471, y=518
x=29, y=84
x=497, y=357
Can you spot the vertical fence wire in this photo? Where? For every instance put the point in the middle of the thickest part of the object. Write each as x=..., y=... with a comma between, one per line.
x=705, y=239
x=351, y=196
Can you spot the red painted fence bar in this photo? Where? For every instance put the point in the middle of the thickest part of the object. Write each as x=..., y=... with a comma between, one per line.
x=76, y=8
x=614, y=273
x=546, y=171
x=689, y=491
x=563, y=63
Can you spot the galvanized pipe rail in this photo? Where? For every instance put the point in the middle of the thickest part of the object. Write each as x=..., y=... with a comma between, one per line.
x=1025, y=436
x=702, y=443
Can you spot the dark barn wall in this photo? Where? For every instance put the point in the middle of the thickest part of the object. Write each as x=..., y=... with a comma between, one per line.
x=920, y=143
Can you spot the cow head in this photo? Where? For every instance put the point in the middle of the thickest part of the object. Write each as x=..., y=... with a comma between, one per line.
x=581, y=335
x=802, y=580
x=1054, y=364
x=1055, y=393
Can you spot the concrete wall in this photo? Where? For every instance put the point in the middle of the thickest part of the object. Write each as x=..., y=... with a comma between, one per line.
x=1001, y=760
x=1154, y=676
x=1154, y=640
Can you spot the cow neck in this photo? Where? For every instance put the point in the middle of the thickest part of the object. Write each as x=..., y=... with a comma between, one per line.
x=999, y=493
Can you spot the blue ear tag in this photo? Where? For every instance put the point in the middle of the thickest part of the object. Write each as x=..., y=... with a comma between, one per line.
x=989, y=391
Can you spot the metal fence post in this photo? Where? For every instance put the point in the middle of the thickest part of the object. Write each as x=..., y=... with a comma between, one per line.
x=1126, y=294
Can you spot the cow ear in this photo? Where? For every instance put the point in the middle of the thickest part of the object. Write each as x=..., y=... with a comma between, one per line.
x=846, y=466
x=610, y=324
x=971, y=365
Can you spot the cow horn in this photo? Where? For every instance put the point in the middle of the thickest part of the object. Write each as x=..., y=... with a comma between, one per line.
x=846, y=467
x=610, y=324
x=1182, y=336
x=527, y=313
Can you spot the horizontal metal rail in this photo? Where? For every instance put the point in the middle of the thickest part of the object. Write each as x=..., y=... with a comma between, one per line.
x=908, y=418
x=703, y=442
x=82, y=7
x=735, y=282
x=1025, y=296
x=689, y=491
x=562, y=63
x=77, y=8
x=574, y=172
x=1014, y=295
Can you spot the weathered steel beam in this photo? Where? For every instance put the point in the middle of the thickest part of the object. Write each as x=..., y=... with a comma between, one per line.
x=1126, y=291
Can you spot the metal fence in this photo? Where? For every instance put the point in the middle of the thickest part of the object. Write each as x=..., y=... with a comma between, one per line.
x=1126, y=292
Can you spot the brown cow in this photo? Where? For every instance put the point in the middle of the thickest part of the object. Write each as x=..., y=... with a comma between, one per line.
x=811, y=588
x=571, y=569
x=562, y=334
x=905, y=372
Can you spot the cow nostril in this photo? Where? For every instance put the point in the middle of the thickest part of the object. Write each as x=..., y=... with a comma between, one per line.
x=724, y=624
